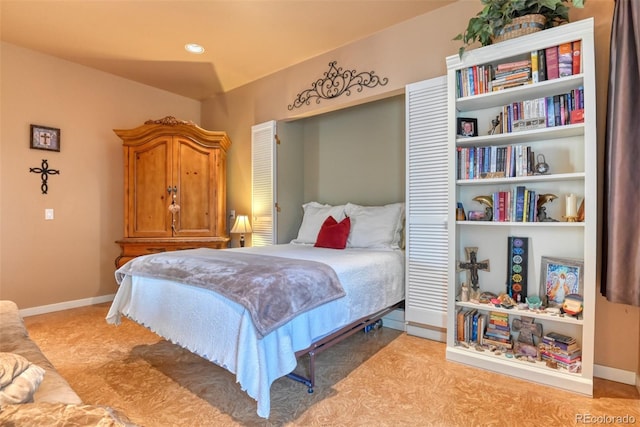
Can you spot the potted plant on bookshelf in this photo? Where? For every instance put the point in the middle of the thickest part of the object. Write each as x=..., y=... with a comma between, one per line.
x=501, y=20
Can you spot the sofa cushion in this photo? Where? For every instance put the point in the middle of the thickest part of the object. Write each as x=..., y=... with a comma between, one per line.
x=19, y=379
x=14, y=338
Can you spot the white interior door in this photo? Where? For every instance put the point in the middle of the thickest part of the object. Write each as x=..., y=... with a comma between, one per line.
x=427, y=205
x=263, y=184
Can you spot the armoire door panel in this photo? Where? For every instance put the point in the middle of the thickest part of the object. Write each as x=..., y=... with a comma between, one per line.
x=195, y=181
x=149, y=178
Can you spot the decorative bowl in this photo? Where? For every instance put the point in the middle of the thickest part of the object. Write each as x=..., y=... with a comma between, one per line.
x=533, y=302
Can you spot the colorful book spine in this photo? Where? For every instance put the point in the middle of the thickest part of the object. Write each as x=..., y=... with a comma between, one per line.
x=577, y=57
x=542, y=66
x=565, y=60
x=535, y=78
x=551, y=56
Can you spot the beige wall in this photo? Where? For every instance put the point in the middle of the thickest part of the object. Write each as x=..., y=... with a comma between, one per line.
x=409, y=52
x=72, y=257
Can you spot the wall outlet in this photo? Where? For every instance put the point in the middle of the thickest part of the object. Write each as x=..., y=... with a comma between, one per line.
x=48, y=214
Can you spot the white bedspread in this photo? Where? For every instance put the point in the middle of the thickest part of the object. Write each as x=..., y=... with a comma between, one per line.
x=221, y=331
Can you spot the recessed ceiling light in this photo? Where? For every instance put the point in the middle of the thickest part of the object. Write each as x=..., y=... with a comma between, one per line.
x=194, y=48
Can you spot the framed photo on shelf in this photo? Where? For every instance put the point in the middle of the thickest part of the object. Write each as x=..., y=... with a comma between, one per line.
x=45, y=138
x=560, y=277
x=467, y=126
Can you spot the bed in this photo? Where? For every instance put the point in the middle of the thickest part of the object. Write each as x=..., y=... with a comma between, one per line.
x=224, y=329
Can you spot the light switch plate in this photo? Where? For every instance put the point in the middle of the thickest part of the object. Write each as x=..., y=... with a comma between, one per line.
x=48, y=214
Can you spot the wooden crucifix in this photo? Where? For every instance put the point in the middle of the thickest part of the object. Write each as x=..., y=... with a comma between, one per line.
x=44, y=172
x=472, y=266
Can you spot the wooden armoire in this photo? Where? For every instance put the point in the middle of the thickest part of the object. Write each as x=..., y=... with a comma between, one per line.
x=174, y=188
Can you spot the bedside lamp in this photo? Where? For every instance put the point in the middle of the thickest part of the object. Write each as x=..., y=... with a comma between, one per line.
x=241, y=226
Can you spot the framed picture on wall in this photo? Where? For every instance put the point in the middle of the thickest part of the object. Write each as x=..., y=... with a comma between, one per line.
x=467, y=126
x=45, y=138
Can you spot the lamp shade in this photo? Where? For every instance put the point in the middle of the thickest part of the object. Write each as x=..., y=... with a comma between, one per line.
x=241, y=225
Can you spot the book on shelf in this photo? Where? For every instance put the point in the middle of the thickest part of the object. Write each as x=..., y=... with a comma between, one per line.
x=481, y=327
x=542, y=66
x=535, y=78
x=560, y=358
x=460, y=324
x=577, y=57
x=565, y=60
x=560, y=346
x=513, y=65
x=556, y=109
x=565, y=339
x=568, y=354
x=551, y=57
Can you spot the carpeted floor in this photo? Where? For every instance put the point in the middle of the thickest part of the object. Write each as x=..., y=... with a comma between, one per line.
x=384, y=378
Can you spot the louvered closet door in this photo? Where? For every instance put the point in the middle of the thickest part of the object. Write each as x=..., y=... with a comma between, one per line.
x=263, y=183
x=427, y=201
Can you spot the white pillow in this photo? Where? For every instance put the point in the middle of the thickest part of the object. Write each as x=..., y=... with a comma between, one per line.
x=375, y=226
x=313, y=217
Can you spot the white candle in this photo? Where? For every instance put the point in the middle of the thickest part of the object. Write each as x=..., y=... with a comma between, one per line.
x=572, y=205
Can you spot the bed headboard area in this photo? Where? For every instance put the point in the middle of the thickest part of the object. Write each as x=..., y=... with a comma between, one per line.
x=354, y=155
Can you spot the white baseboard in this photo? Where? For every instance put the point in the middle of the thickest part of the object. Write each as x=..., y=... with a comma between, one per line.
x=617, y=375
x=434, y=334
x=65, y=305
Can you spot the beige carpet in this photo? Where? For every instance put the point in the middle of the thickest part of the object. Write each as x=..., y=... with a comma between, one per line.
x=385, y=378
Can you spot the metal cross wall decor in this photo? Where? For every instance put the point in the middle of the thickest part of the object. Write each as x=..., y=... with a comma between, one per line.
x=337, y=82
x=472, y=266
x=44, y=172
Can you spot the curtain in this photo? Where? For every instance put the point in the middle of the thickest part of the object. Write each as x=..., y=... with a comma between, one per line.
x=620, y=281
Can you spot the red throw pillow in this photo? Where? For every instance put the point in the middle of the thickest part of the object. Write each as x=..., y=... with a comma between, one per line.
x=333, y=234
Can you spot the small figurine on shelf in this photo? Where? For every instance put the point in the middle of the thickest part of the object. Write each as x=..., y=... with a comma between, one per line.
x=542, y=167
x=464, y=293
x=572, y=305
x=542, y=210
x=487, y=201
x=494, y=125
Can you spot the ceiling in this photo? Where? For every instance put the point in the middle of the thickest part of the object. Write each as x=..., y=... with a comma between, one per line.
x=244, y=40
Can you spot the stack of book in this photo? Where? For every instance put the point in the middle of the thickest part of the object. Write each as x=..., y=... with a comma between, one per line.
x=511, y=74
x=562, y=349
x=498, y=331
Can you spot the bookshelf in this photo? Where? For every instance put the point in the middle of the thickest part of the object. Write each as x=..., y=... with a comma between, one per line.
x=570, y=150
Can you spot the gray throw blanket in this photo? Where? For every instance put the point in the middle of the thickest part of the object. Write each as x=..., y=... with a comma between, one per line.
x=273, y=289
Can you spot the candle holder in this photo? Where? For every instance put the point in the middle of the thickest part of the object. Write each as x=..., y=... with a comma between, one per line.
x=572, y=218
